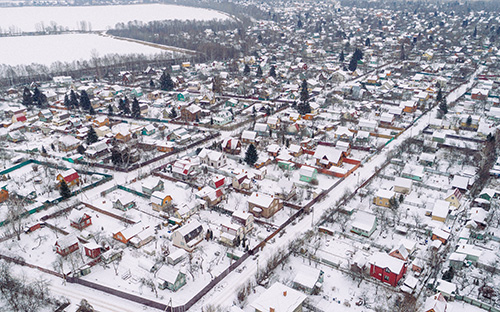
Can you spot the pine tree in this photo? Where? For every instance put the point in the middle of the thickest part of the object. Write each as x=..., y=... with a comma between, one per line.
x=166, y=83
x=91, y=110
x=402, y=53
x=367, y=42
x=259, y=71
x=304, y=92
x=116, y=157
x=353, y=64
x=67, y=103
x=439, y=96
x=136, y=109
x=126, y=106
x=342, y=57
x=172, y=114
x=468, y=122
x=443, y=106
x=110, y=109
x=358, y=54
x=304, y=107
x=73, y=99
x=85, y=100
x=474, y=34
x=92, y=136
x=44, y=150
x=272, y=71
x=246, y=70
x=80, y=149
x=251, y=155
x=39, y=98
x=152, y=84
x=64, y=190
x=299, y=23
x=27, y=98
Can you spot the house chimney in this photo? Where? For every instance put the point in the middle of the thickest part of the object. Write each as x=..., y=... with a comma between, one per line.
x=271, y=309
x=284, y=293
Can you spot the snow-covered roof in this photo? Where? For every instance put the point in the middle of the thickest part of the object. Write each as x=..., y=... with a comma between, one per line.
x=403, y=182
x=279, y=297
x=260, y=199
x=436, y=303
x=460, y=182
x=446, y=287
x=381, y=193
x=364, y=220
x=330, y=153
x=307, y=276
x=168, y=274
x=441, y=208
x=383, y=260
x=248, y=135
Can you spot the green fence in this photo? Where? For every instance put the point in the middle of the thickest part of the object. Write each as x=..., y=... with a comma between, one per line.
x=49, y=203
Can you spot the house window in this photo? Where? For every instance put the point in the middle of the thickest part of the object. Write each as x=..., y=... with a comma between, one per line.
x=387, y=270
x=386, y=278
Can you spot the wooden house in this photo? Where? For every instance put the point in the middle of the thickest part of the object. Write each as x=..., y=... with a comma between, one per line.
x=191, y=113
x=68, y=143
x=127, y=234
x=212, y=158
x=441, y=235
x=263, y=205
x=170, y=278
x=383, y=198
x=402, y=185
x=249, y=137
x=92, y=250
x=66, y=245
x=69, y=176
x=160, y=201
x=400, y=253
x=231, y=146
x=152, y=185
x=454, y=197
x=308, y=279
x=327, y=156
x=81, y=222
x=231, y=233
x=387, y=269
x=125, y=202
x=245, y=219
x=364, y=223
x=4, y=195
x=188, y=236
x=279, y=298
x=307, y=174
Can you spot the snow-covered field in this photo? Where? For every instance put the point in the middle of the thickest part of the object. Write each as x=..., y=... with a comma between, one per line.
x=96, y=17
x=65, y=48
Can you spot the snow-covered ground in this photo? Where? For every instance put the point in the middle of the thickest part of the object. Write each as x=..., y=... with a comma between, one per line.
x=65, y=48
x=96, y=17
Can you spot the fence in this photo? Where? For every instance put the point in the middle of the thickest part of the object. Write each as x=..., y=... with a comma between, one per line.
x=50, y=203
x=477, y=303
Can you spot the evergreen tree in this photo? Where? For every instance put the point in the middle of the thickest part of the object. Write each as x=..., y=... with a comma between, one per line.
x=64, y=190
x=121, y=105
x=299, y=23
x=166, y=83
x=259, y=71
x=358, y=54
x=39, y=98
x=439, y=96
x=367, y=42
x=272, y=71
x=304, y=92
x=342, y=57
x=353, y=64
x=443, y=106
x=91, y=110
x=152, y=84
x=251, y=155
x=136, y=109
x=116, y=157
x=73, y=99
x=67, y=103
x=246, y=70
x=402, y=53
x=172, y=114
x=474, y=34
x=84, y=100
x=27, y=98
x=91, y=136
x=44, y=150
x=126, y=106
x=80, y=149
x=110, y=109
x=304, y=107
x=468, y=122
